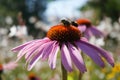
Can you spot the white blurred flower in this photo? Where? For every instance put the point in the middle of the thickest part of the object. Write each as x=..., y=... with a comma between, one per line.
x=13, y=31
x=32, y=19
x=3, y=31
x=87, y=14
x=21, y=31
x=42, y=26
x=4, y=42
x=115, y=33
x=8, y=20
x=105, y=26
x=97, y=41
x=112, y=30
x=101, y=75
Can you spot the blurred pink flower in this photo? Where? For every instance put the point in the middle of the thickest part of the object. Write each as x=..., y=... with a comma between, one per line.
x=89, y=30
x=10, y=66
x=68, y=40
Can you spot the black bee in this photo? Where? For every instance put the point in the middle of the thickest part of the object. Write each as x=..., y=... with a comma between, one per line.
x=68, y=23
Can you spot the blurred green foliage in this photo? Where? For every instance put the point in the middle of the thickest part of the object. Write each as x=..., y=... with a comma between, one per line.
x=13, y=7
x=10, y=8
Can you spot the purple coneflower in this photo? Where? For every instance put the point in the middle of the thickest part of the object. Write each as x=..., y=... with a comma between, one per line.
x=68, y=40
x=89, y=30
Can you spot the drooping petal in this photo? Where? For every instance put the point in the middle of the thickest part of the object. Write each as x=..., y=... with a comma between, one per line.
x=38, y=55
x=32, y=50
x=22, y=52
x=47, y=50
x=82, y=28
x=32, y=62
x=101, y=51
x=87, y=33
x=77, y=58
x=27, y=48
x=84, y=39
x=18, y=48
x=29, y=55
x=91, y=52
x=53, y=56
x=35, y=49
x=65, y=57
x=96, y=32
x=30, y=46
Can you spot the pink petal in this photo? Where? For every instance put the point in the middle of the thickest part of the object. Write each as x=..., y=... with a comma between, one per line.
x=38, y=51
x=30, y=46
x=84, y=39
x=22, y=52
x=88, y=34
x=10, y=66
x=38, y=55
x=102, y=52
x=53, y=56
x=66, y=59
x=35, y=47
x=33, y=52
x=77, y=58
x=96, y=32
x=18, y=48
x=34, y=60
x=82, y=28
x=47, y=50
x=90, y=52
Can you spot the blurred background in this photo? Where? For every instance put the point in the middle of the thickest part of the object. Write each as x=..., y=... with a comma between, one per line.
x=25, y=20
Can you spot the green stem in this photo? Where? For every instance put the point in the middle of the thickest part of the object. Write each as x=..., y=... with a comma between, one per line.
x=80, y=76
x=64, y=72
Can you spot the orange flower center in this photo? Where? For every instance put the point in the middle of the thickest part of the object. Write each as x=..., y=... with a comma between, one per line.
x=64, y=33
x=84, y=22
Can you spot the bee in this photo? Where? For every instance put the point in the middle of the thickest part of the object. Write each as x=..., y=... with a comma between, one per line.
x=69, y=22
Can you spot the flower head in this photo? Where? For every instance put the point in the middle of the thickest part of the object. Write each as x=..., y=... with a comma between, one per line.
x=66, y=38
x=89, y=30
